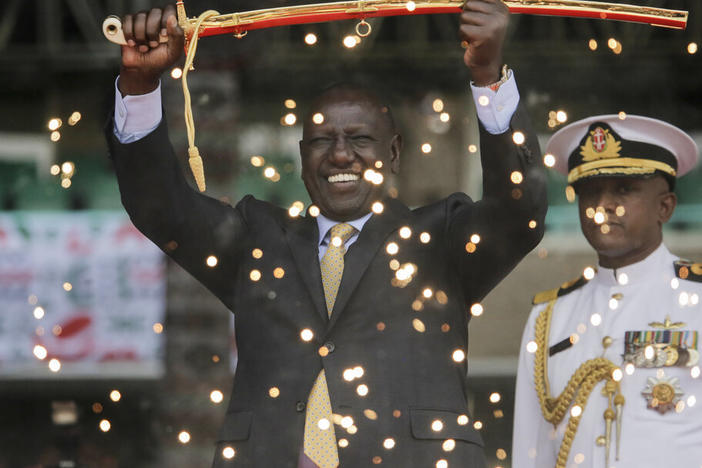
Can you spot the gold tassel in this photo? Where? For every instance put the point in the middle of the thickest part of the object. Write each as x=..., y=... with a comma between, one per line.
x=619, y=404
x=196, y=167
x=609, y=417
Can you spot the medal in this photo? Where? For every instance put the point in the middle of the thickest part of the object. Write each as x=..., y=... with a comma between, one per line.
x=662, y=347
x=671, y=356
x=662, y=394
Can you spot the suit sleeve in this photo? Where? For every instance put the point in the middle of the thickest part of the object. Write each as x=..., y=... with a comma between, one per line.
x=186, y=225
x=531, y=430
x=509, y=219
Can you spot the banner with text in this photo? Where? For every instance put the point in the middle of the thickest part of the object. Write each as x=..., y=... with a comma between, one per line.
x=82, y=295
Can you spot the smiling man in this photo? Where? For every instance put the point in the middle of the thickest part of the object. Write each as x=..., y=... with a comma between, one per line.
x=353, y=133
x=609, y=372
x=351, y=326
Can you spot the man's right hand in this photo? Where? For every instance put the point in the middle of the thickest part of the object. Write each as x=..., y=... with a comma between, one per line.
x=144, y=58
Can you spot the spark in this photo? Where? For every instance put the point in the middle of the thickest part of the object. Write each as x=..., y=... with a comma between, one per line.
x=176, y=73
x=310, y=39
x=105, y=425
x=518, y=138
x=318, y=118
x=211, y=261
x=290, y=103
x=54, y=124
x=549, y=160
x=437, y=105
x=351, y=41
x=38, y=312
x=184, y=437
x=115, y=395
x=576, y=411
x=216, y=397
x=426, y=148
x=617, y=374
x=289, y=119
x=458, y=355
x=476, y=309
x=306, y=334
x=257, y=161
x=74, y=118
x=40, y=352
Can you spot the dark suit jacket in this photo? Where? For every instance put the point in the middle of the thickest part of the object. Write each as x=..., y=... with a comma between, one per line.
x=410, y=374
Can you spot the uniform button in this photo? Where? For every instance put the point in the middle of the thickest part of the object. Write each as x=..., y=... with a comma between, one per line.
x=330, y=346
x=617, y=296
x=300, y=406
x=499, y=108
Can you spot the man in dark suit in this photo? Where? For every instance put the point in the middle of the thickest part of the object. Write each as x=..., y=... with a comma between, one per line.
x=351, y=325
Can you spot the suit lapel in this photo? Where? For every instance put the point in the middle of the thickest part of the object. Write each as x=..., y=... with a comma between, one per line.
x=361, y=252
x=302, y=236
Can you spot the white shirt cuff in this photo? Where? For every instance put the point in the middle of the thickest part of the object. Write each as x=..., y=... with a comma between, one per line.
x=136, y=115
x=495, y=109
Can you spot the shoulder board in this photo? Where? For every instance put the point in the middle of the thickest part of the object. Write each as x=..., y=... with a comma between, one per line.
x=565, y=288
x=687, y=270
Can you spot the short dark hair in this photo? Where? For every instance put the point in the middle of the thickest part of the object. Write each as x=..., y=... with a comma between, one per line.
x=366, y=91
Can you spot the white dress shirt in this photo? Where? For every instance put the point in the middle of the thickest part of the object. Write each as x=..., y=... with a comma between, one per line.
x=612, y=303
x=325, y=224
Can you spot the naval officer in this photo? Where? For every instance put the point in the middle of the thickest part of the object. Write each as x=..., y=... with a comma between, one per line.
x=609, y=371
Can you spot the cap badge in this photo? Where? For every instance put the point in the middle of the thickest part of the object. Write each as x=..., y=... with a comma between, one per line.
x=600, y=144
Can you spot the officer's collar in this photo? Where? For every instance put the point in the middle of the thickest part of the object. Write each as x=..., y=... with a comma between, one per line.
x=653, y=267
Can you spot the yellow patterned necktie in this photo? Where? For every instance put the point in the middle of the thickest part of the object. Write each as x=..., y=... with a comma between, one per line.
x=319, y=440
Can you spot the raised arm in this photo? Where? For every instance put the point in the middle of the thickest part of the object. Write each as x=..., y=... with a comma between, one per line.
x=509, y=219
x=187, y=225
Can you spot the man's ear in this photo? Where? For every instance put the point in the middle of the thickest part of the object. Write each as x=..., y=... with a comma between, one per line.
x=666, y=206
x=395, y=149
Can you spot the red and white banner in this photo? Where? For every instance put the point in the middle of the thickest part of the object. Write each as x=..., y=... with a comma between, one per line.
x=86, y=287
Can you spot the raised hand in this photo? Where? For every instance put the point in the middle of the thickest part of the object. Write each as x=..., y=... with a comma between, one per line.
x=144, y=58
x=483, y=26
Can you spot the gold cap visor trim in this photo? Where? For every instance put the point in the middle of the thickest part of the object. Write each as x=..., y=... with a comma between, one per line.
x=623, y=166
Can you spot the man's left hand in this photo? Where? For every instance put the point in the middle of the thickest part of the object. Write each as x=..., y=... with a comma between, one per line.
x=483, y=26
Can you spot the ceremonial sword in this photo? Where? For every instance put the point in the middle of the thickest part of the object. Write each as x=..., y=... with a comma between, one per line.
x=211, y=23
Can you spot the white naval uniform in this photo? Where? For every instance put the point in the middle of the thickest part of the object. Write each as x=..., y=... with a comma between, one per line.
x=648, y=439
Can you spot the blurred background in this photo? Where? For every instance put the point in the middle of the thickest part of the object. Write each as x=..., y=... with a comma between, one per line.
x=112, y=356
